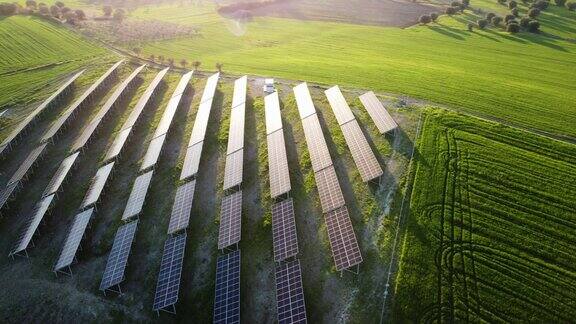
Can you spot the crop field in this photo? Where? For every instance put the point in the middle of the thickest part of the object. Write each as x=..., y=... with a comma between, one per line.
x=524, y=79
x=492, y=226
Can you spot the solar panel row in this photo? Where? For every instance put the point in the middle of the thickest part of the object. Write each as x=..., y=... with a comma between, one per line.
x=235, y=150
x=230, y=220
x=60, y=175
x=182, y=207
x=168, y=284
x=73, y=239
x=153, y=152
x=233, y=169
x=191, y=161
x=284, y=230
x=279, y=173
x=272, y=111
x=384, y=122
x=97, y=185
x=362, y=154
x=86, y=96
x=137, y=196
x=25, y=166
x=6, y=194
x=118, y=258
x=227, y=291
x=236, y=130
x=345, y=249
x=64, y=88
x=240, y=87
x=290, y=293
x=32, y=225
x=319, y=154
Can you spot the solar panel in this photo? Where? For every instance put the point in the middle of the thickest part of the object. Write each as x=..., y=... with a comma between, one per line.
x=290, y=293
x=319, y=154
x=182, y=207
x=181, y=87
x=27, y=164
x=210, y=87
x=2, y=148
x=32, y=224
x=345, y=250
x=278, y=165
x=172, y=106
x=170, y=272
x=60, y=174
x=339, y=105
x=118, y=258
x=227, y=291
x=22, y=125
x=240, y=87
x=6, y=194
x=362, y=154
x=284, y=230
x=304, y=100
x=83, y=138
x=200, y=123
x=141, y=104
x=137, y=196
x=58, y=124
x=384, y=122
x=273, y=116
x=73, y=239
x=230, y=220
x=236, y=130
x=233, y=169
x=117, y=145
x=329, y=189
x=154, y=149
x=191, y=161
x=97, y=185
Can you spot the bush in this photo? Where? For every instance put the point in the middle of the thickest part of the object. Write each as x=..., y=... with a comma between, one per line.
x=424, y=19
x=571, y=6
x=524, y=22
x=560, y=3
x=80, y=15
x=8, y=9
x=55, y=11
x=65, y=10
x=502, y=2
x=482, y=23
x=31, y=4
x=496, y=20
x=59, y=4
x=512, y=4
x=44, y=10
x=508, y=18
x=434, y=16
x=534, y=26
x=450, y=11
x=514, y=12
x=107, y=11
x=455, y=4
x=533, y=13
x=512, y=22
x=541, y=4
x=466, y=3
x=490, y=15
x=513, y=28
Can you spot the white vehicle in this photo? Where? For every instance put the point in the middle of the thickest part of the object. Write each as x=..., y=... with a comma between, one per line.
x=268, y=86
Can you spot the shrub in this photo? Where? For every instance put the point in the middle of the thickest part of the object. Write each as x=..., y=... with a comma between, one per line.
x=44, y=10
x=80, y=14
x=496, y=20
x=508, y=18
x=482, y=23
x=455, y=4
x=59, y=4
x=434, y=16
x=524, y=22
x=70, y=17
x=513, y=28
x=466, y=3
x=490, y=15
x=424, y=19
x=560, y=3
x=533, y=13
x=514, y=21
x=65, y=10
x=31, y=4
x=8, y=9
x=450, y=11
x=470, y=27
x=571, y=6
x=502, y=2
x=514, y=12
x=55, y=11
x=534, y=26
x=512, y=4
x=107, y=11
x=541, y=4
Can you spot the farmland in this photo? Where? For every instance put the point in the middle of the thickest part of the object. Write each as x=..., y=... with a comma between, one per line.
x=492, y=226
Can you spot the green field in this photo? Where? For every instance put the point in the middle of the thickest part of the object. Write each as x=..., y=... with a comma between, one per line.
x=526, y=79
x=492, y=226
x=35, y=55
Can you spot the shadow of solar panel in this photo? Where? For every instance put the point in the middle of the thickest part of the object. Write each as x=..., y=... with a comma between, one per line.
x=60, y=174
x=27, y=164
x=278, y=165
x=230, y=220
x=227, y=292
x=153, y=152
x=73, y=239
x=182, y=207
x=6, y=194
x=32, y=225
x=191, y=161
x=272, y=111
x=168, y=283
x=118, y=258
x=236, y=130
x=362, y=154
x=382, y=119
x=240, y=87
x=339, y=105
x=284, y=230
x=290, y=293
x=97, y=185
x=319, y=154
x=233, y=169
x=304, y=100
x=345, y=250
x=329, y=189
x=137, y=195
x=118, y=144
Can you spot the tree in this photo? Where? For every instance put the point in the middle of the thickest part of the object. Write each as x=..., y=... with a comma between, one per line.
x=466, y=3
x=65, y=10
x=70, y=17
x=80, y=14
x=59, y=4
x=534, y=26
x=514, y=12
x=219, y=67
x=470, y=27
x=8, y=9
x=533, y=13
x=434, y=16
x=161, y=59
x=171, y=61
x=55, y=11
x=508, y=18
x=137, y=51
x=152, y=58
x=196, y=64
x=424, y=19
x=455, y=4
x=513, y=28
x=107, y=11
x=450, y=11
x=44, y=10
x=490, y=15
x=183, y=62
x=560, y=3
x=496, y=20
x=31, y=4
x=119, y=15
x=482, y=23
x=571, y=6
x=524, y=22
x=541, y=4
x=501, y=2
x=512, y=4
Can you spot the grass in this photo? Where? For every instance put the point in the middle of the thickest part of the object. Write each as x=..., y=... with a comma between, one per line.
x=525, y=79
x=492, y=225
